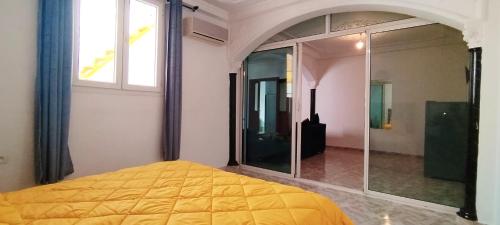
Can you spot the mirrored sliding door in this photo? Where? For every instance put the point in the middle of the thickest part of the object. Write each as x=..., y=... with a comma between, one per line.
x=418, y=114
x=268, y=139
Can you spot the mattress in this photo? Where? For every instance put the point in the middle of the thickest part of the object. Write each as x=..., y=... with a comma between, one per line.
x=168, y=193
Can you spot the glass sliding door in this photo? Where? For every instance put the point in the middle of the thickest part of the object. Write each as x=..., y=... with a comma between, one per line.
x=267, y=122
x=418, y=115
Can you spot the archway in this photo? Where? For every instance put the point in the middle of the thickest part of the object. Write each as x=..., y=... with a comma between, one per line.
x=254, y=27
x=250, y=31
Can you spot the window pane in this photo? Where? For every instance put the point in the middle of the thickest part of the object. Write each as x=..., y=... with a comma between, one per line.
x=350, y=20
x=307, y=28
x=143, y=41
x=97, y=40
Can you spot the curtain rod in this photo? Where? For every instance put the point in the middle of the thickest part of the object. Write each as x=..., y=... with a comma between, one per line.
x=191, y=7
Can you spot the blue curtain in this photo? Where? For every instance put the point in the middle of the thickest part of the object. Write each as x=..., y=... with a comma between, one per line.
x=173, y=85
x=53, y=91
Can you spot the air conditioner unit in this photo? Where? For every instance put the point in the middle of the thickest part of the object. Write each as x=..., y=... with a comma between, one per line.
x=199, y=28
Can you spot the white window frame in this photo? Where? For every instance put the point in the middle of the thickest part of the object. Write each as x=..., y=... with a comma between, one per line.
x=122, y=47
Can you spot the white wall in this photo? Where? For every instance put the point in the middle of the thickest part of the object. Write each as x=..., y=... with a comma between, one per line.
x=340, y=100
x=488, y=180
x=205, y=105
x=109, y=129
x=18, y=68
x=114, y=129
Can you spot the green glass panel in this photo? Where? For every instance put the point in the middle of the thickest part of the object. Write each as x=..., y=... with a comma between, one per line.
x=376, y=105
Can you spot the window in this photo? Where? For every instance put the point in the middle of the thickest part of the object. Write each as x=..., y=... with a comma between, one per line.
x=118, y=44
x=336, y=22
x=351, y=20
x=310, y=27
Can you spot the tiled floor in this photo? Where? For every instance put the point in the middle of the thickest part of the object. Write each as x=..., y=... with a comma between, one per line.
x=395, y=174
x=338, y=166
x=366, y=210
x=403, y=175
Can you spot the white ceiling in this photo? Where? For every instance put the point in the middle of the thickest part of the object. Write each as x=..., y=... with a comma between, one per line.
x=337, y=46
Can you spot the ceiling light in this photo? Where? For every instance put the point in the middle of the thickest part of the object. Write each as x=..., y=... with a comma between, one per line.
x=360, y=44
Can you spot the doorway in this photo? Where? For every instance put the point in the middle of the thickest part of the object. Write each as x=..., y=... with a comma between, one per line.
x=403, y=137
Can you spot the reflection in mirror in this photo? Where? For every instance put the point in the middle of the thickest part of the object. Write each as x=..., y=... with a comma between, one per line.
x=380, y=105
x=419, y=72
x=268, y=111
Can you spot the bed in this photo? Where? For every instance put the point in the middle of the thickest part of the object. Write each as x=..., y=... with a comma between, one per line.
x=168, y=193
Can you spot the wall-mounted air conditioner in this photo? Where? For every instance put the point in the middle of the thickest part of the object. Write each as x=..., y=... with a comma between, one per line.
x=196, y=27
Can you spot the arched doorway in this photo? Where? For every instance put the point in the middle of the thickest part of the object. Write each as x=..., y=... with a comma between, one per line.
x=371, y=30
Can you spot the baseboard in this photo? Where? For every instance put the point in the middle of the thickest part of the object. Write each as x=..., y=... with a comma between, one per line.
x=395, y=153
x=372, y=150
x=347, y=148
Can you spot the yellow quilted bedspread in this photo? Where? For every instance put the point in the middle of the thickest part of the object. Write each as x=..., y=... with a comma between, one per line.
x=168, y=193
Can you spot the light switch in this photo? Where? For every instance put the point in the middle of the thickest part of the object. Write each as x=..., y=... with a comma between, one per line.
x=3, y=159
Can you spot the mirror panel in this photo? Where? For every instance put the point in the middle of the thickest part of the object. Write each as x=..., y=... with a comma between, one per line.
x=422, y=155
x=268, y=110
